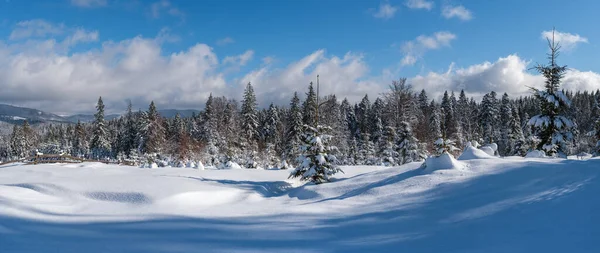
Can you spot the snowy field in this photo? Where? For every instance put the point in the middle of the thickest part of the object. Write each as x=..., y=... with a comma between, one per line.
x=483, y=205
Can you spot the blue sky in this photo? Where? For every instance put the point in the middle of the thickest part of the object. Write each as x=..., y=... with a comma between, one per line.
x=356, y=46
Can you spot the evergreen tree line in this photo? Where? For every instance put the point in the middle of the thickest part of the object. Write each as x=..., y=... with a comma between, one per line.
x=398, y=127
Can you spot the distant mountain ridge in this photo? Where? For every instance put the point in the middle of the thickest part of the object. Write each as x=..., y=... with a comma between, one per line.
x=16, y=115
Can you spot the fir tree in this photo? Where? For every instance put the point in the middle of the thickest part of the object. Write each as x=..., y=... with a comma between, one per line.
x=435, y=122
x=489, y=117
x=317, y=164
x=366, y=151
x=506, y=119
x=408, y=145
x=389, y=155
x=516, y=143
x=80, y=143
x=362, y=115
x=249, y=127
x=294, y=131
x=130, y=136
x=597, y=129
x=100, y=146
x=154, y=131
x=309, y=107
x=18, y=143
x=271, y=125
x=552, y=127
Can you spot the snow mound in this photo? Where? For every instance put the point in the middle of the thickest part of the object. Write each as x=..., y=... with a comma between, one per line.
x=535, y=154
x=471, y=153
x=488, y=150
x=443, y=162
x=229, y=166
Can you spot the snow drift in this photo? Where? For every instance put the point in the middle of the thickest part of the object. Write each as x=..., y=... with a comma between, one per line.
x=471, y=153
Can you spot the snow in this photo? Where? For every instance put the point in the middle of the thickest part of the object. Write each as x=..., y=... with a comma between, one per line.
x=230, y=166
x=444, y=161
x=471, y=153
x=487, y=205
x=487, y=150
x=535, y=154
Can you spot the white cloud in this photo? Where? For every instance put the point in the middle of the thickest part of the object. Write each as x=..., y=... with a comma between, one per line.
x=46, y=74
x=508, y=74
x=68, y=82
x=35, y=28
x=419, y=4
x=346, y=77
x=157, y=9
x=385, y=11
x=81, y=35
x=567, y=41
x=415, y=49
x=225, y=41
x=239, y=60
x=458, y=11
x=89, y=3
x=165, y=35
x=268, y=60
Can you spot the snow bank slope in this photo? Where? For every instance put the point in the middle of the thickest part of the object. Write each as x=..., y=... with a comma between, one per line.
x=492, y=205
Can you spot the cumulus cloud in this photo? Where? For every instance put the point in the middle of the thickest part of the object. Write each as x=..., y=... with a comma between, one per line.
x=415, y=49
x=225, y=41
x=385, y=11
x=419, y=4
x=45, y=74
x=508, y=74
x=136, y=69
x=567, y=41
x=459, y=11
x=345, y=76
x=239, y=60
x=89, y=3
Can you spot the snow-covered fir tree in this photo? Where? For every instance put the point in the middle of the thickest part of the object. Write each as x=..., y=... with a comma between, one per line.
x=506, y=119
x=309, y=106
x=435, y=123
x=100, y=146
x=366, y=152
x=18, y=145
x=317, y=163
x=387, y=146
x=249, y=127
x=489, y=118
x=516, y=142
x=154, y=131
x=442, y=146
x=80, y=142
x=597, y=129
x=553, y=128
x=293, y=132
x=363, y=113
x=408, y=145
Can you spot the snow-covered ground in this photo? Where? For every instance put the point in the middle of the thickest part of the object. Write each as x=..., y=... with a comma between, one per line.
x=486, y=205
